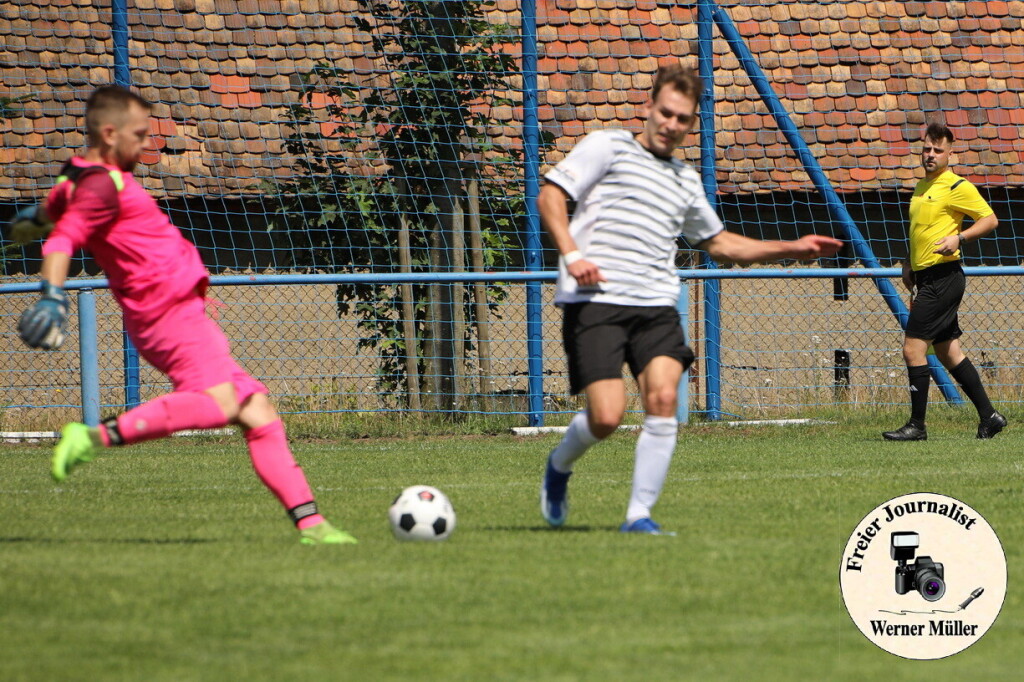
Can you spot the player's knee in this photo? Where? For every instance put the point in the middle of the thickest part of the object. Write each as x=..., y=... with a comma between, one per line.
x=603, y=424
x=662, y=401
x=603, y=430
x=226, y=401
x=230, y=410
x=257, y=411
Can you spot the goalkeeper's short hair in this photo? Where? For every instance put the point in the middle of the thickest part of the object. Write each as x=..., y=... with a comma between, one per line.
x=109, y=104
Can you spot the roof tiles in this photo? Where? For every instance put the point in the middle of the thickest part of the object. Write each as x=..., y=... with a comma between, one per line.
x=859, y=79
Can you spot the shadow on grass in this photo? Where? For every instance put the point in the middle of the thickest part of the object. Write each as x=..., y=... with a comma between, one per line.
x=549, y=529
x=120, y=541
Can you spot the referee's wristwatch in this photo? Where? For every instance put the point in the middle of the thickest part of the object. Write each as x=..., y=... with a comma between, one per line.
x=962, y=240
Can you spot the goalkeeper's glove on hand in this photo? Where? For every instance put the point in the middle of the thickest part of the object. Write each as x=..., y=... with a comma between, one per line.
x=30, y=224
x=42, y=325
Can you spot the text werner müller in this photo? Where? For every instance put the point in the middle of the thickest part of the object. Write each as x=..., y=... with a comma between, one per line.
x=941, y=628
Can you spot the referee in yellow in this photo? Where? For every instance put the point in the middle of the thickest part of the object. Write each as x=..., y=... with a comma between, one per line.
x=936, y=282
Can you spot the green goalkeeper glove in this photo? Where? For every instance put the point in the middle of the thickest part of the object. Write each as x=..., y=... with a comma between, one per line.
x=42, y=325
x=30, y=224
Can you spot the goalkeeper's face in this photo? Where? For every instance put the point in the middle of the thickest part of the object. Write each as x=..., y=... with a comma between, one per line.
x=129, y=139
x=670, y=118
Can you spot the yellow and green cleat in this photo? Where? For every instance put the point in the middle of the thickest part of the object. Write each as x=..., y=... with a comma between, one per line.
x=77, y=445
x=325, y=534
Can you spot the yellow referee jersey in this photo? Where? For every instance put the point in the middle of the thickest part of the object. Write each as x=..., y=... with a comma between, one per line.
x=937, y=210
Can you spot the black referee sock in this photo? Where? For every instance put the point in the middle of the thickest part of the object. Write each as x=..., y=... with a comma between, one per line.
x=920, y=377
x=967, y=376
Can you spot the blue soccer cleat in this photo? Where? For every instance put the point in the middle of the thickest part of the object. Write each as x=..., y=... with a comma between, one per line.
x=554, y=496
x=644, y=526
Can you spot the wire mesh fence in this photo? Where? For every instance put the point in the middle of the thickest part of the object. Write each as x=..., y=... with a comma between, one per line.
x=376, y=137
x=789, y=348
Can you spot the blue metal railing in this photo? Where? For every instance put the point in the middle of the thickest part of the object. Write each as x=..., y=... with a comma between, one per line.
x=88, y=342
x=713, y=287
x=835, y=205
x=534, y=249
x=88, y=350
x=123, y=77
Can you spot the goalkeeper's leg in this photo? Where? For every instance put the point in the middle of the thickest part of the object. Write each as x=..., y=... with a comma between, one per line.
x=274, y=464
x=155, y=419
x=193, y=352
x=163, y=416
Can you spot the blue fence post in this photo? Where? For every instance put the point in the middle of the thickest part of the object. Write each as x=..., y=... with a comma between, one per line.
x=119, y=34
x=835, y=205
x=712, y=288
x=534, y=256
x=88, y=353
x=683, y=308
x=123, y=77
x=132, y=378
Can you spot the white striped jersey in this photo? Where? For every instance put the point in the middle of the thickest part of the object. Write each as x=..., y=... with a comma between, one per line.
x=630, y=207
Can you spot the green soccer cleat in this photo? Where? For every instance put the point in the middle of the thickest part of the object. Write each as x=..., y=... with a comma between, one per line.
x=77, y=444
x=325, y=534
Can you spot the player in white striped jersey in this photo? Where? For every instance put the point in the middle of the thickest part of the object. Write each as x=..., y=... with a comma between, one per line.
x=618, y=287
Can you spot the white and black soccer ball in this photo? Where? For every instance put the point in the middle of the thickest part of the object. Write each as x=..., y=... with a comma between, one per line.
x=421, y=512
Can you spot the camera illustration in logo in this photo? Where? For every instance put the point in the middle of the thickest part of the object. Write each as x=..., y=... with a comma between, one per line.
x=924, y=575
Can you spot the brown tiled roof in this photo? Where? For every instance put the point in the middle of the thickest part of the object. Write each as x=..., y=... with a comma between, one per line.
x=859, y=78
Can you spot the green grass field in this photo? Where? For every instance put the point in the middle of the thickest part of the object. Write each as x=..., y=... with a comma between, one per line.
x=169, y=561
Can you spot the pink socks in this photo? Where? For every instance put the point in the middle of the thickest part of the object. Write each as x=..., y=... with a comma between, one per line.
x=268, y=445
x=163, y=416
x=274, y=464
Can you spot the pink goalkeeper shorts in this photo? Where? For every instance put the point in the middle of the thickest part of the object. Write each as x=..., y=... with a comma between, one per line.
x=190, y=349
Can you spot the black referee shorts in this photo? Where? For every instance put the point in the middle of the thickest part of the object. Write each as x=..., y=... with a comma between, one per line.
x=599, y=337
x=933, y=317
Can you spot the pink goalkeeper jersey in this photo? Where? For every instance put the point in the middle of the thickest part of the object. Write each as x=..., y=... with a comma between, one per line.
x=146, y=259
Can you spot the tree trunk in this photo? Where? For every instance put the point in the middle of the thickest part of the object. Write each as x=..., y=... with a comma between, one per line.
x=412, y=356
x=480, y=308
x=458, y=296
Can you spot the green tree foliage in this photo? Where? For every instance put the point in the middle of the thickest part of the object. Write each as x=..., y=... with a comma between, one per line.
x=376, y=152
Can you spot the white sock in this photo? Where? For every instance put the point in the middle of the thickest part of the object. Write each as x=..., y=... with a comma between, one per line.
x=574, y=443
x=654, y=450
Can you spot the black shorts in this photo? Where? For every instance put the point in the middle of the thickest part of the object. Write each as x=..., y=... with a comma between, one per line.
x=933, y=317
x=599, y=337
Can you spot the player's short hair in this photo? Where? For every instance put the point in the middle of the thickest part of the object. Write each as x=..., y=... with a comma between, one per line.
x=938, y=132
x=109, y=104
x=682, y=78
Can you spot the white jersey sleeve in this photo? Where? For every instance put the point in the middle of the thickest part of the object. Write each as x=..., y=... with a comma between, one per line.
x=701, y=222
x=584, y=166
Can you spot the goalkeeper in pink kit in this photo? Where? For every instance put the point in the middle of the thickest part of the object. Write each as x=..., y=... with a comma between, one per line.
x=158, y=279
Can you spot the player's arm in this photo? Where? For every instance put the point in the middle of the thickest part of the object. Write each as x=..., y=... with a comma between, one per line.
x=948, y=245
x=553, y=205
x=966, y=199
x=56, y=265
x=730, y=247
x=42, y=325
x=29, y=224
x=94, y=206
x=907, y=275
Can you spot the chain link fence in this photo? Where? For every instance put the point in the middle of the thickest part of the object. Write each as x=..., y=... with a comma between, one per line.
x=345, y=136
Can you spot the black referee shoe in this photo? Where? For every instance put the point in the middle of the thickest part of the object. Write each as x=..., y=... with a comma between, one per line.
x=910, y=431
x=987, y=428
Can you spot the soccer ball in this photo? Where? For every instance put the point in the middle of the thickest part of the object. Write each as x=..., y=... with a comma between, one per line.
x=421, y=513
